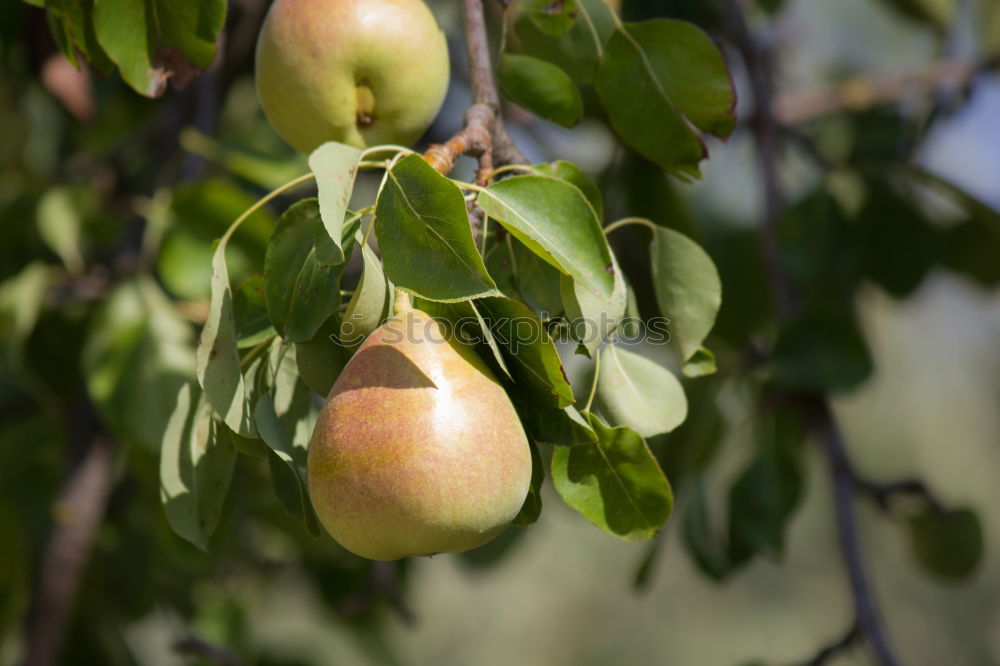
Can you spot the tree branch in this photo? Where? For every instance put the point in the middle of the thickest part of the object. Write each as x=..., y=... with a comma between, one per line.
x=884, y=493
x=842, y=476
x=841, y=644
x=78, y=511
x=483, y=134
x=863, y=92
x=766, y=130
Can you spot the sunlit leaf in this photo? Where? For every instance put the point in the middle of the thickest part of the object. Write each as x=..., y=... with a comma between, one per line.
x=137, y=355
x=335, y=166
x=370, y=303
x=196, y=466
x=218, y=359
x=422, y=226
x=22, y=298
x=640, y=393
x=687, y=286
x=590, y=319
x=575, y=176
x=615, y=483
x=659, y=80
x=555, y=220
x=701, y=363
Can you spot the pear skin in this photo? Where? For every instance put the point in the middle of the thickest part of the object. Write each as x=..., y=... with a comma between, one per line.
x=418, y=449
x=361, y=72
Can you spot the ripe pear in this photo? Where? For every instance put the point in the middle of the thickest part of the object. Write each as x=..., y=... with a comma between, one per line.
x=361, y=72
x=418, y=449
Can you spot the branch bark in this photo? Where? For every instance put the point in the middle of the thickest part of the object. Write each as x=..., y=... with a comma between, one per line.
x=863, y=92
x=835, y=648
x=78, y=511
x=766, y=130
x=483, y=134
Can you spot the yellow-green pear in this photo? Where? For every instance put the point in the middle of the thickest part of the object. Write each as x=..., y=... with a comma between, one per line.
x=362, y=72
x=418, y=449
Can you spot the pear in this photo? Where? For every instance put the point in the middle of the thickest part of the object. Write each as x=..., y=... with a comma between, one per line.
x=361, y=72
x=418, y=449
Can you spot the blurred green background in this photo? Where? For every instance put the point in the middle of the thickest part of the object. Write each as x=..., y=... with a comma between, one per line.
x=98, y=184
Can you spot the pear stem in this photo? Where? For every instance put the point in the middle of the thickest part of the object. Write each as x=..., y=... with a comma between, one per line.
x=401, y=302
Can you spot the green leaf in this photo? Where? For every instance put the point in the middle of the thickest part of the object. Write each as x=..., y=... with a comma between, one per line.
x=21, y=300
x=301, y=292
x=137, y=355
x=947, y=544
x=218, y=359
x=490, y=339
x=156, y=40
x=990, y=27
x=970, y=246
x=321, y=359
x=540, y=87
x=576, y=51
x=701, y=363
x=191, y=219
x=574, y=175
x=639, y=393
x=644, y=574
x=705, y=547
x=558, y=427
x=245, y=445
x=286, y=416
x=821, y=351
x=290, y=490
x=761, y=501
x=614, y=483
x=253, y=325
x=898, y=244
x=60, y=223
x=72, y=25
x=422, y=226
x=532, y=507
x=370, y=303
x=533, y=279
x=289, y=487
x=688, y=289
x=196, y=466
x=335, y=166
x=591, y=321
x=531, y=355
x=553, y=17
x=659, y=78
x=555, y=220
x=935, y=12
